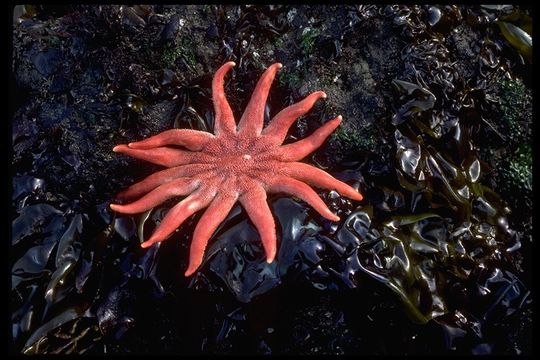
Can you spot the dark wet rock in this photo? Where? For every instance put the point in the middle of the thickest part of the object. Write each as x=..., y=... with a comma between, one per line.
x=171, y=29
x=47, y=62
x=131, y=17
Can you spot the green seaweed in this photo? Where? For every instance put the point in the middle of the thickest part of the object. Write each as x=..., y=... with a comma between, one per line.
x=353, y=139
x=279, y=42
x=513, y=101
x=518, y=168
x=182, y=50
x=307, y=41
x=290, y=79
x=70, y=332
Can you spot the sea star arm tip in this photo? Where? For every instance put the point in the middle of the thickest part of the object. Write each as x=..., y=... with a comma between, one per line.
x=118, y=148
x=302, y=148
x=193, y=140
x=251, y=122
x=214, y=215
x=254, y=202
x=304, y=192
x=224, y=119
x=146, y=245
x=319, y=178
x=114, y=207
x=180, y=212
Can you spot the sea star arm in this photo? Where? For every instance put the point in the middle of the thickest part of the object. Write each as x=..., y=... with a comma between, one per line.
x=156, y=179
x=300, y=149
x=224, y=119
x=319, y=178
x=209, y=222
x=254, y=202
x=165, y=156
x=302, y=191
x=251, y=122
x=280, y=124
x=162, y=193
x=193, y=140
x=180, y=212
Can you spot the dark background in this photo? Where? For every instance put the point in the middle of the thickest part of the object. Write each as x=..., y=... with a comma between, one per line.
x=437, y=108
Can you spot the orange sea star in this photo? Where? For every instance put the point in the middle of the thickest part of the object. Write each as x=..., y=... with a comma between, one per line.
x=236, y=163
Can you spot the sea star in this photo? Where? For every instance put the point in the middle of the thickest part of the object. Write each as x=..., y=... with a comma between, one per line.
x=236, y=163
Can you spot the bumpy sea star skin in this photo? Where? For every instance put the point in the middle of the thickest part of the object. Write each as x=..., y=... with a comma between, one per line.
x=236, y=163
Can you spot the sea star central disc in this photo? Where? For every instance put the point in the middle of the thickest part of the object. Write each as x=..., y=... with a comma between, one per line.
x=240, y=162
